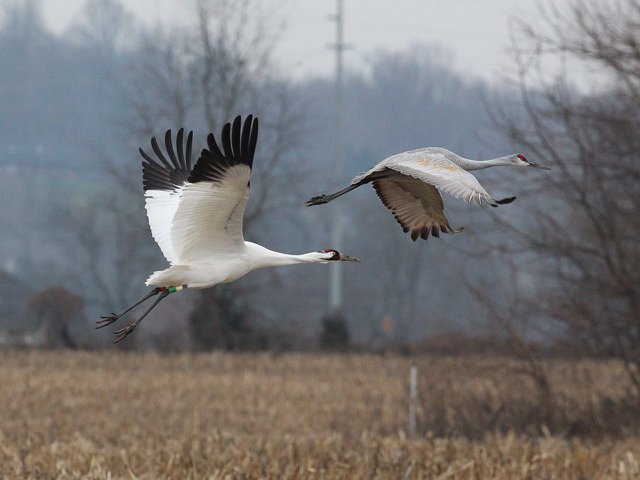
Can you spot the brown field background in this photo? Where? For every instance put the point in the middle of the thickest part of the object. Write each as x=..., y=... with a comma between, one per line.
x=146, y=416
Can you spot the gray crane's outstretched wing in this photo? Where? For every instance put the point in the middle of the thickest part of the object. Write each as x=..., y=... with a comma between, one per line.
x=417, y=206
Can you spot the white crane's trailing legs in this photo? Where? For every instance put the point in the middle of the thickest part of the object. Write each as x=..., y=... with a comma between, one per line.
x=196, y=214
x=409, y=184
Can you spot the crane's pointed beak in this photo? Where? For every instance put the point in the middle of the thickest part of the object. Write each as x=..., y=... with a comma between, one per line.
x=347, y=258
x=537, y=165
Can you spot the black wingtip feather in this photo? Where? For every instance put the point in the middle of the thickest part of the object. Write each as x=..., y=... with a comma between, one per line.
x=213, y=146
x=226, y=140
x=253, y=140
x=246, y=135
x=180, y=148
x=168, y=145
x=158, y=152
x=188, y=153
x=145, y=156
x=235, y=137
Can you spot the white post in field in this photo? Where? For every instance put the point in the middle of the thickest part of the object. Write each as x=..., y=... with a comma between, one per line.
x=413, y=396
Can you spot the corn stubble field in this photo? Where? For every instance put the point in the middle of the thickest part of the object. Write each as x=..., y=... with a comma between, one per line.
x=146, y=416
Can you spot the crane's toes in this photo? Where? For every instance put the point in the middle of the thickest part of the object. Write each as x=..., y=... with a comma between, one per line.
x=317, y=200
x=123, y=332
x=106, y=320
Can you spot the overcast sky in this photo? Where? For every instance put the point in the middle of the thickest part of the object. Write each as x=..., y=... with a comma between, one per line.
x=476, y=32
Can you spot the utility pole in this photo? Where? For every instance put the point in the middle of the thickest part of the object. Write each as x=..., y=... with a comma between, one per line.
x=335, y=272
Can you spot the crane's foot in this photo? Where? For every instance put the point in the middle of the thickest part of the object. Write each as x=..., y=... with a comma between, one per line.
x=317, y=200
x=123, y=332
x=107, y=320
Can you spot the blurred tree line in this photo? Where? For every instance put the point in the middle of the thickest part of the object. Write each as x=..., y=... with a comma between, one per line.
x=571, y=268
x=556, y=272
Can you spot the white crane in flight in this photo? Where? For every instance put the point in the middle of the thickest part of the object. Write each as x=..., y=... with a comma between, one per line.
x=195, y=215
x=409, y=184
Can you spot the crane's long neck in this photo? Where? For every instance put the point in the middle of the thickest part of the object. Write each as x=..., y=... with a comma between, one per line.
x=262, y=257
x=480, y=164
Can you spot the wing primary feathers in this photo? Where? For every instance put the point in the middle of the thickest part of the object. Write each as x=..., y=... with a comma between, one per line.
x=238, y=148
x=415, y=205
x=226, y=140
x=146, y=157
x=246, y=133
x=188, y=154
x=235, y=137
x=253, y=140
x=213, y=146
x=180, y=148
x=162, y=174
x=169, y=146
x=158, y=152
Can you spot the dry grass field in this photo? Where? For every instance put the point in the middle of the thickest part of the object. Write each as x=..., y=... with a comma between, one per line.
x=145, y=416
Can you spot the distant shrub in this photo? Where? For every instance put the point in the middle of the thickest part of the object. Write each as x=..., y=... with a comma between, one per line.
x=55, y=309
x=221, y=321
x=335, y=332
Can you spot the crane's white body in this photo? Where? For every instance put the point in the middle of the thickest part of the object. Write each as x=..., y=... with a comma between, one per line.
x=409, y=184
x=197, y=223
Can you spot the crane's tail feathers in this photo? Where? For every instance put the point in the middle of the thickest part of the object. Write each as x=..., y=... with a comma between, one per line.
x=503, y=201
x=174, y=275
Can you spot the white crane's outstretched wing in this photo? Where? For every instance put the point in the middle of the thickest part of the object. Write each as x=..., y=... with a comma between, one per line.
x=163, y=181
x=199, y=211
x=437, y=170
x=417, y=206
x=208, y=219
